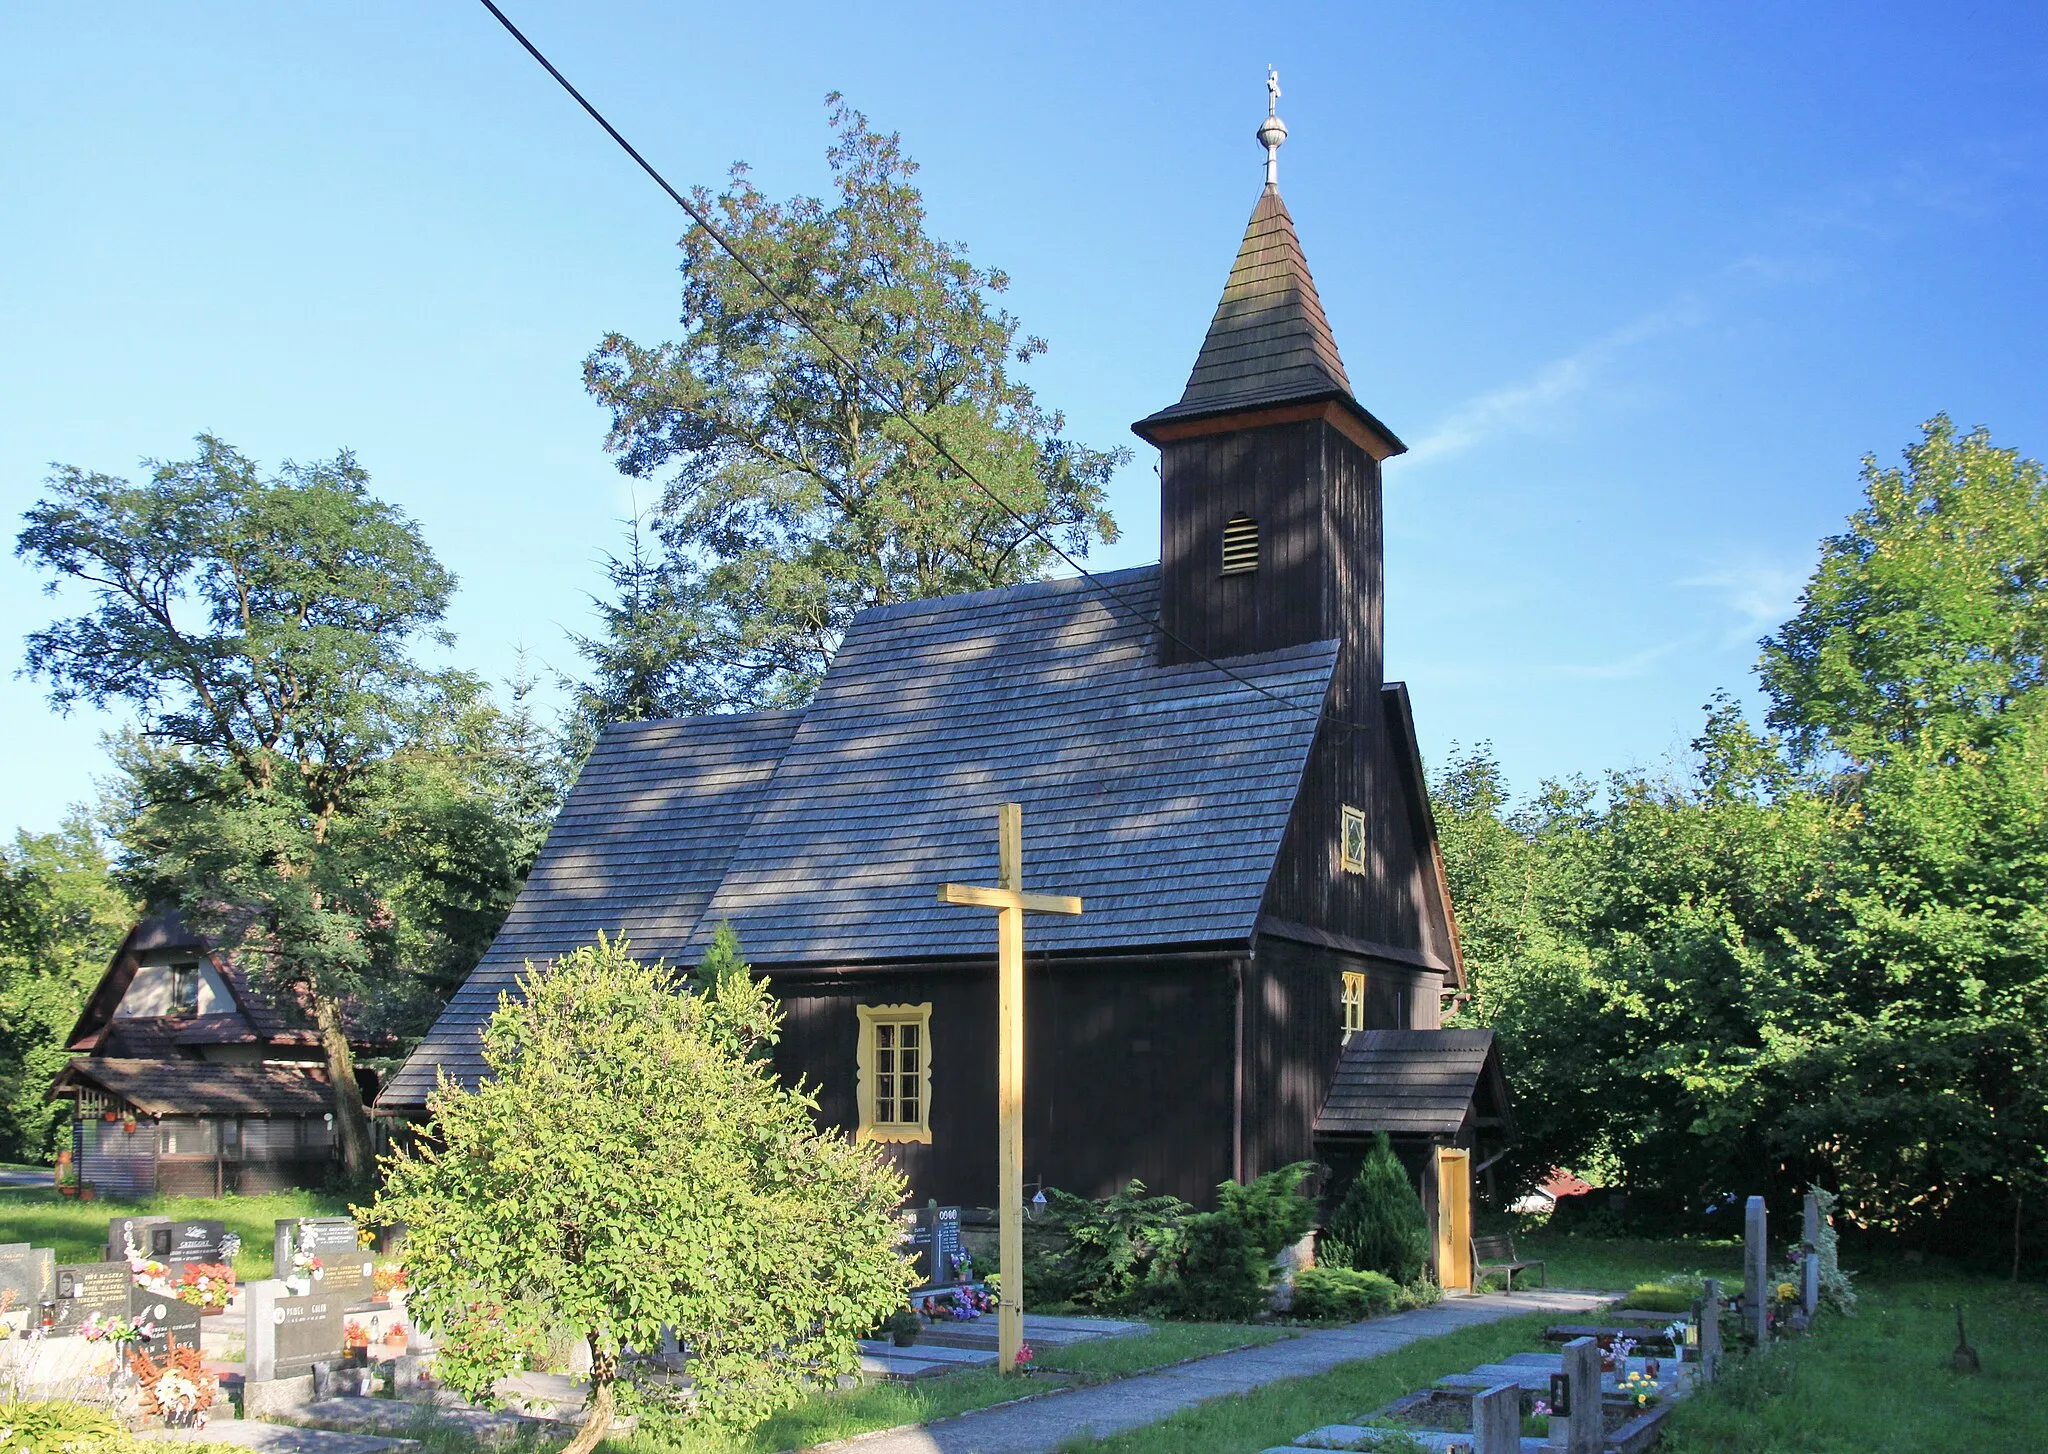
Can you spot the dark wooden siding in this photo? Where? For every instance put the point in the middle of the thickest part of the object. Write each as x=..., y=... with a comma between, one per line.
x=1294, y=1030
x=1129, y=1072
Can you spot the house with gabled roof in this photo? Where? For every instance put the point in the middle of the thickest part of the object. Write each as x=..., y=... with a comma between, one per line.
x=1207, y=754
x=187, y=1080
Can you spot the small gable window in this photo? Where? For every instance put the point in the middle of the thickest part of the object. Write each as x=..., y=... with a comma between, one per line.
x=1351, y=840
x=184, y=989
x=895, y=1069
x=1240, y=546
x=1354, y=1003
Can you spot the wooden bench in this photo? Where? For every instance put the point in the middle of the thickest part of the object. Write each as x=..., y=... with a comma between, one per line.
x=1497, y=1254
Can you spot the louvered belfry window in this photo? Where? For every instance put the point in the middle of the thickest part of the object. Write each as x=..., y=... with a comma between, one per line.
x=1240, y=545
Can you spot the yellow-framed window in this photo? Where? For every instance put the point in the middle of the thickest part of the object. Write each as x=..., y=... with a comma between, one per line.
x=895, y=1069
x=1351, y=840
x=1354, y=1003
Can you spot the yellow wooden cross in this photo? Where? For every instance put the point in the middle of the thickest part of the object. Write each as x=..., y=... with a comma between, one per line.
x=1011, y=903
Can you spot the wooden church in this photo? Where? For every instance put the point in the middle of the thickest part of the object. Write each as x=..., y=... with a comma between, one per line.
x=1207, y=754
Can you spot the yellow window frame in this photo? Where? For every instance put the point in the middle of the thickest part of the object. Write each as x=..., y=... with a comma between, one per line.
x=1354, y=1002
x=867, y=1059
x=1351, y=840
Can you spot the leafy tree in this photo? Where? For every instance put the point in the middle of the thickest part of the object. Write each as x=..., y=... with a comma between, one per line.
x=1380, y=1225
x=644, y=663
x=794, y=497
x=300, y=783
x=61, y=918
x=631, y=1164
x=1932, y=605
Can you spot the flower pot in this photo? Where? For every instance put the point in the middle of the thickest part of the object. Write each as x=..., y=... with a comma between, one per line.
x=903, y=1340
x=86, y=1193
x=110, y=1116
x=66, y=1189
x=210, y=1312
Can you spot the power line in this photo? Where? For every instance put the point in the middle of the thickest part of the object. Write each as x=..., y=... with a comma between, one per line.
x=880, y=389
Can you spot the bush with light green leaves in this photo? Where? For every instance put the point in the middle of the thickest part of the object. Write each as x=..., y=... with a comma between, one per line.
x=630, y=1164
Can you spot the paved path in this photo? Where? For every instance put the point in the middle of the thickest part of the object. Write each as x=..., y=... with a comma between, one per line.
x=281, y=1438
x=13, y=1178
x=1041, y=1424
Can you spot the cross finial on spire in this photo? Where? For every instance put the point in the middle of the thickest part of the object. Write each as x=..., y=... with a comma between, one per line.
x=1272, y=131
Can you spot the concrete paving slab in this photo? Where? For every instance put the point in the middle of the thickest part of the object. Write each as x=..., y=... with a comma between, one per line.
x=281, y=1438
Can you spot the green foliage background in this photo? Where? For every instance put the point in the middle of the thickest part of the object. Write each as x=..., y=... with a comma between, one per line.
x=1817, y=956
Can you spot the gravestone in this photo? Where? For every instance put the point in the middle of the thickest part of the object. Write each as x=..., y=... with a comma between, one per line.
x=1710, y=1331
x=201, y=1241
x=83, y=1289
x=1583, y=1430
x=1809, y=1283
x=1811, y=1230
x=30, y=1273
x=935, y=1244
x=347, y=1270
x=153, y=1237
x=1756, y=1270
x=168, y=1317
x=1497, y=1420
x=287, y=1335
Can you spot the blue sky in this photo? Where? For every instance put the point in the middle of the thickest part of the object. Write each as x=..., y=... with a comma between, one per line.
x=1639, y=284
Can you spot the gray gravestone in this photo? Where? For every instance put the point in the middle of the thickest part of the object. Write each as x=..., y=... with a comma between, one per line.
x=347, y=1269
x=168, y=1317
x=1809, y=1283
x=1583, y=1431
x=1497, y=1420
x=1812, y=1220
x=287, y=1335
x=30, y=1273
x=152, y=1237
x=201, y=1241
x=1710, y=1331
x=1756, y=1270
x=85, y=1288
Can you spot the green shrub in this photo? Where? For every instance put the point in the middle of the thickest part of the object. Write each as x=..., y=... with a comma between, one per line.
x=54, y=1426
x=1656, y=1297
x=1380, y=1225
x=1219, y=1275
x=1113, y=1247
x=1271, y=1208
x=1342, y=1294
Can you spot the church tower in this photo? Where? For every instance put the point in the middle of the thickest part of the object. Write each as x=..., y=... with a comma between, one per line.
x=1269, y=471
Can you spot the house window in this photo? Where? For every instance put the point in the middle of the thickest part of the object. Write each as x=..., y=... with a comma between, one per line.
x=895, y=1065
x=1354, y=1003
x=1240, y=545
x=1351, y=840
x=184, y=989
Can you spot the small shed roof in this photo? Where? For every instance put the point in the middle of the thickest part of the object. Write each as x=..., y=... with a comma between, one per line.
x=1413, y=1083
x=199, y=1088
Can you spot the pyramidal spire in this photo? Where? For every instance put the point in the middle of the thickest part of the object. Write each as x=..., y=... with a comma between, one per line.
x=1269, y=342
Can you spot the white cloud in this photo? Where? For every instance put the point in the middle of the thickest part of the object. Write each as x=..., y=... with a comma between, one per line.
x=1761, y=595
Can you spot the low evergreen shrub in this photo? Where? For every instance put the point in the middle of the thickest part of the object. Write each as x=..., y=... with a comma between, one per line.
x=1219, y=1275
x=1342, y=1294
x=1270, y=1208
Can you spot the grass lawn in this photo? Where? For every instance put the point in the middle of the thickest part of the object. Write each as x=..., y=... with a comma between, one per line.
x=78, y=1230
x=1622, y=1262
x=1880, y=1382
x=886, y=1405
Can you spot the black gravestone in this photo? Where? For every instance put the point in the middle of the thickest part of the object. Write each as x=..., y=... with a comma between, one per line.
x=347, y=1269
x=306, y=1331
x=152, y=1235
x=168, y=1317
x=29, y=1273
x=85, y=1288
x=935, y=1246
x=202, y=1241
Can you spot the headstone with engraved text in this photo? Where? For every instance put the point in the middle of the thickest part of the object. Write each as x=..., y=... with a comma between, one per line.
x=85, y=1289
x=1756, y=1270
x=152, y=1237
x=200, y=1241
x=935, y=1246
x=287, y=1335
x=168, y=1317
x=29, y=1273
x=346, y=1270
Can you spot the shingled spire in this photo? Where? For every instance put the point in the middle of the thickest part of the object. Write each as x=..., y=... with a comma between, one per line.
x=1269, y=343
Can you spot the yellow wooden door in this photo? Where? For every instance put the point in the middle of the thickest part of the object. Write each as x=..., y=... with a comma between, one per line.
x=1454, y=1219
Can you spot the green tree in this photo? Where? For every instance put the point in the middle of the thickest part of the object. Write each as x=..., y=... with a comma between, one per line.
x=1932, y=604
x=1380, y=1225
x=631, y=1164
x=61, y=918
x=297, y=781
x=794, y=497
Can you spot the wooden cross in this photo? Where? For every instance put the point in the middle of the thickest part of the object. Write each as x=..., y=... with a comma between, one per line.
x=1011, y=904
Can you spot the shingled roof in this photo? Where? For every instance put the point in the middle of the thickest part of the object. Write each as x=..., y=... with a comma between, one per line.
x=1412, y=1083
x=1157, y=794
x=197, y=1088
